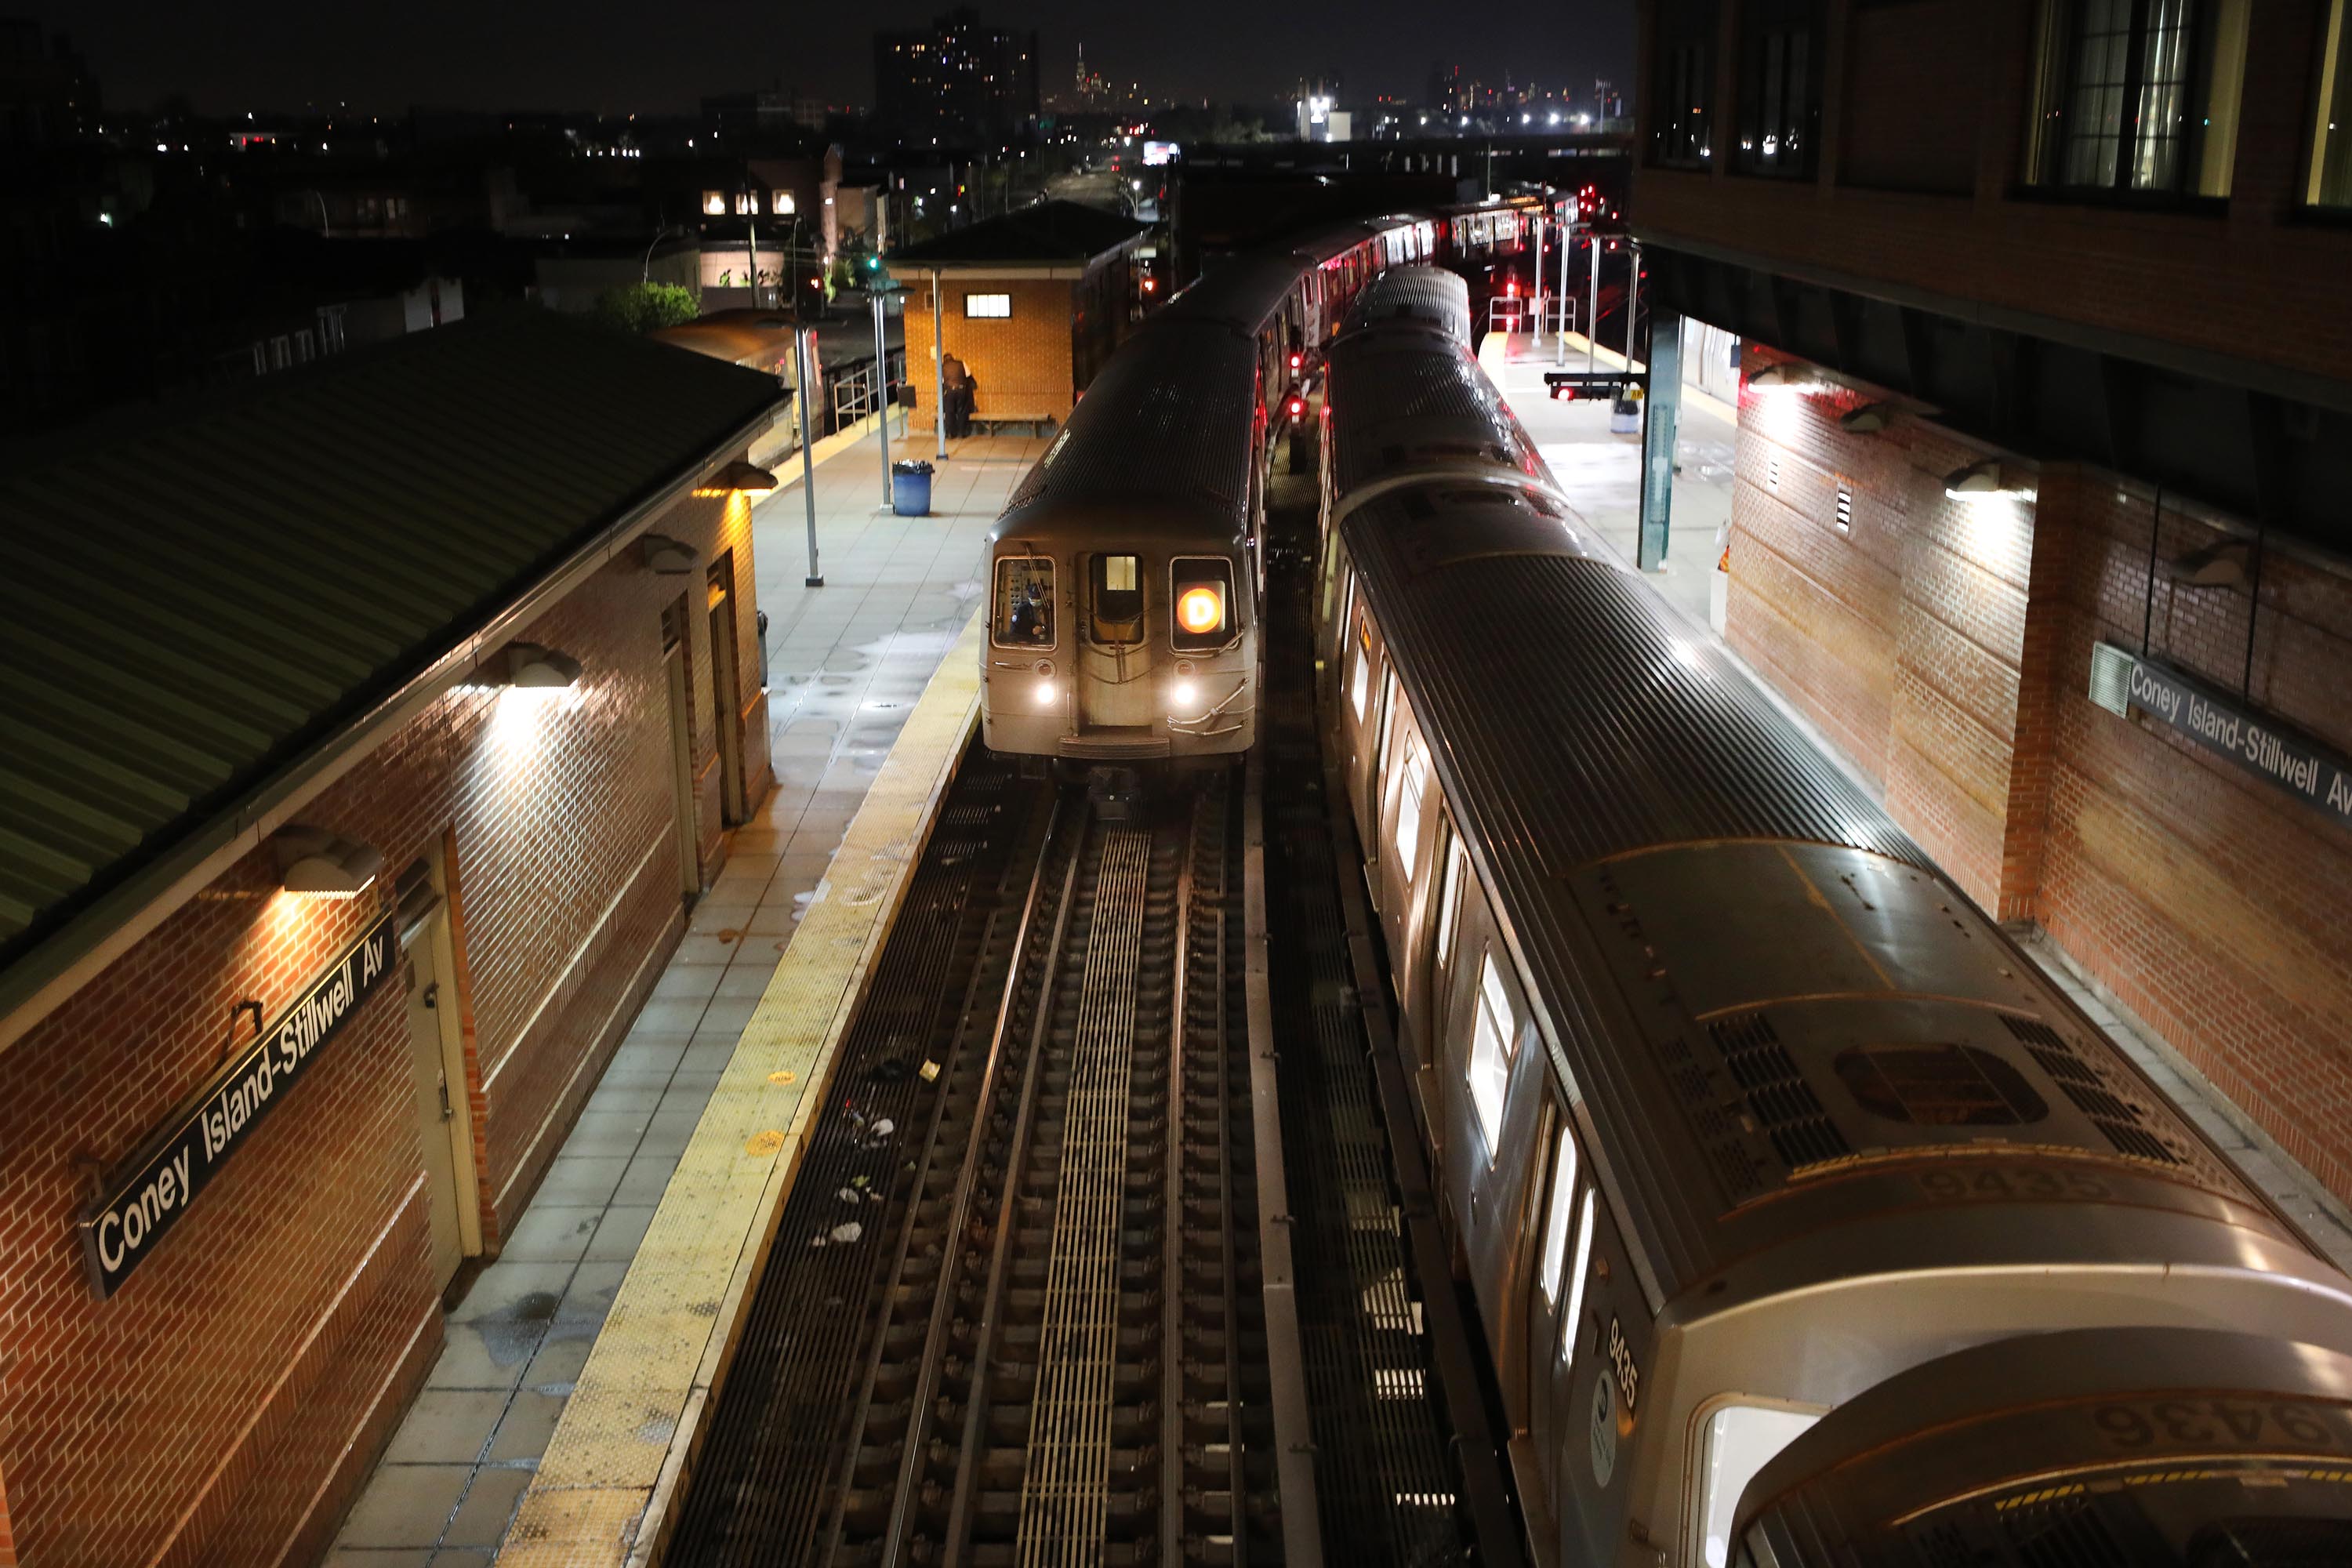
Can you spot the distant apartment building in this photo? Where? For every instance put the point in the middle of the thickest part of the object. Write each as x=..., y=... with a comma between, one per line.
x=958, y=83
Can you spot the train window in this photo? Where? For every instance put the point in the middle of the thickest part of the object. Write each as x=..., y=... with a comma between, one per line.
x=1571, y=1322
x=1556, y=1217
x=1449, y=901
x=1388, y=721
x=1740, y=1439
x=1025, y=601
x=1119, y=599
x=1490, y=1051
x=1408, y=823
x=1200, y=594
x=1360, y=683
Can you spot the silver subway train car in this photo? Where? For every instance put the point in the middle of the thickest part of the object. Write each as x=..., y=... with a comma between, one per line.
x=1808, y=1223
x=1124, y=579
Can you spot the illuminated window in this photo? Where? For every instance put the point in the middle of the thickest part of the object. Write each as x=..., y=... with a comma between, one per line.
x=1025, y=602
x=2139, y=95
x=781, y=203
x=1449, y=901
x=1561, y=1209
x=714, y=204
x=1409, y=796
x=1360, y=683
x=987, y=307
x=1119, y=599
x=1571, y=1322
x=2331, y=139
x=1490, y=1051
x=1740, y=1439
x=746, y=205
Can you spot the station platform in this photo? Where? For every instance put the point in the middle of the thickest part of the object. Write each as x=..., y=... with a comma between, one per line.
x=687, y=1139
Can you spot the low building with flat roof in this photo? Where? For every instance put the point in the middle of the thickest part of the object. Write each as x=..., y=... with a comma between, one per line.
x=368, y=734
x=1034, y=303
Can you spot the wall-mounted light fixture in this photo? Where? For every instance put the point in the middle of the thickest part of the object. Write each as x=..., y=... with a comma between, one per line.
x=660, y=553
x=1787, y=375
x=1979, y=481
x=2219, y=565
x=1868, y=418
x=748, y=477
x=528, y=665
x=314, y=861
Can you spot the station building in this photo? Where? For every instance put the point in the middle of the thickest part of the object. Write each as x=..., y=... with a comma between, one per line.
x=1034, y=303
x=2044, y=467
x=366, y=737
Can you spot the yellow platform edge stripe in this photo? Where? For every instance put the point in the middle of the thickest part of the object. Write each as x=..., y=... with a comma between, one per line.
x=605, y=1489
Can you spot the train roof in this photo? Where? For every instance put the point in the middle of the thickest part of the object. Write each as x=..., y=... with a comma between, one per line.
x=1243, y=293
x=1616, y=780
x=1404, y=402
x=1418, y=293
x=1165, y=430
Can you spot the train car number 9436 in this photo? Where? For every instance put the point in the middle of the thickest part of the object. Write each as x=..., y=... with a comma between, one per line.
x=2000, y=1182
x=2173, y=1423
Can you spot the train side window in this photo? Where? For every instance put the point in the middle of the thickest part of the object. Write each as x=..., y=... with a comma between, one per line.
x=1388, y=720
x=1490, y=1051
x=1360, y=684
x=1571, y=1323
x=1119, y=599
x=1558, y=1213
x=1408, y=823
x=1025, y=602
x=1449, y=900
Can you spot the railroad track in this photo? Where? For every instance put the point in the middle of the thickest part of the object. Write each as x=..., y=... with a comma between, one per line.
x=1013, y=1314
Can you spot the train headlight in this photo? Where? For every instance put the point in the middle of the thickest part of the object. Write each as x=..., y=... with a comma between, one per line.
x=1045, y=694
x=1201, y=609
x=1184, y=694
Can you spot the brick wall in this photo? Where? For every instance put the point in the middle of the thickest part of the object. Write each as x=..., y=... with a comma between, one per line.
x=1901, y=639
x=222, y=1407
x=1021, y=364
x=1945, y=647
x=2217, y=908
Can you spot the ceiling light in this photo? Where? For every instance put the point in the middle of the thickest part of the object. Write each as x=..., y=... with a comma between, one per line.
x=313, y=861
x=671, y=557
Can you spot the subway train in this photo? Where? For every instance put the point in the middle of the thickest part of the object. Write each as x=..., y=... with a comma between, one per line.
x=1124, y=581
x=1807, y=1221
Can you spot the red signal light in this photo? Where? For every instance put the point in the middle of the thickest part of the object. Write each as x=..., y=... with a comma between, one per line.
x=1298, y=408
x=1296, y=358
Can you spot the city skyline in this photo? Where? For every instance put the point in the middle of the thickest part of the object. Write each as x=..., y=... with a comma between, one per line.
x=617, y=58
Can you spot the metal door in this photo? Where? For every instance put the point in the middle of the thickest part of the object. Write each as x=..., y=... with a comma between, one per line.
x=1115, y=689
x=432, y=1003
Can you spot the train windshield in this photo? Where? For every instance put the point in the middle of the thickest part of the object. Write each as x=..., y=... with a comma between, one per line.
x=1119, y=599
x=1025, y=602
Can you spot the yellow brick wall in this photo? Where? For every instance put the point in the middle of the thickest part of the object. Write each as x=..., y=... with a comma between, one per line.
x=1021, y=364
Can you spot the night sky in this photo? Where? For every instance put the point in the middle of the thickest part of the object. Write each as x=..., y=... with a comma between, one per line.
x=629, y=56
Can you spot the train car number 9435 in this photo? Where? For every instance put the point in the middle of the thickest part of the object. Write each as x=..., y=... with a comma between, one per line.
x=2013, y=1182
x=2173, y=1423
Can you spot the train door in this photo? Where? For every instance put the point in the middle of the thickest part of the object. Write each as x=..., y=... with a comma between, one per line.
x=1563, y=1243
x=1114, y=685
x=1507, y=1083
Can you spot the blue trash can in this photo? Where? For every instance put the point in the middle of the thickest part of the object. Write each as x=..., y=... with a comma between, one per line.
x=910, y=489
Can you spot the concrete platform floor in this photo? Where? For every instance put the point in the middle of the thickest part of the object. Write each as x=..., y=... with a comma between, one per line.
x=846, y=662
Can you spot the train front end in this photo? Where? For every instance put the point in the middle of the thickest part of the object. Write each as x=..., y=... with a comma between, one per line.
x=1119, y=646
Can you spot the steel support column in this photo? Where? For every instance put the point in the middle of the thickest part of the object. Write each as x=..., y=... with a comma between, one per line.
x=1660, y=413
